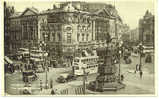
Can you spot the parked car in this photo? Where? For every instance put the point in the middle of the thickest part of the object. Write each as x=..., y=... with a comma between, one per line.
x=65, y=78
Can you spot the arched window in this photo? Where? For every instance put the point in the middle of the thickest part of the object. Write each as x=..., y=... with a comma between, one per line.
x=87, y=37
x=59, y=36
x=78, y=36
x=78, y=27
x=82, y=37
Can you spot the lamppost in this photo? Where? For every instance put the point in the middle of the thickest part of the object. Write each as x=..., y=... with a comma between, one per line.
x=29, y=52
x=119, y=65
x=43, y=44
x=141, y=52
x=119, y=53
x=84, y=79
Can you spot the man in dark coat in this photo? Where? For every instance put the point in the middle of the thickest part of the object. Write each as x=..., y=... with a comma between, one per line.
x=141, y=73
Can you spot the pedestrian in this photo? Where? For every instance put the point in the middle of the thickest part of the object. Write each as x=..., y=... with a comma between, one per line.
x=122, y=77
x=136, y=69
x=26, y=67
x=12, y=68
x=51, y=83
x=21, y=67
x=52, y=92
x=41, y=85
x=48, y=69
x=47, y=84
x=141, y=73
x=139, y=67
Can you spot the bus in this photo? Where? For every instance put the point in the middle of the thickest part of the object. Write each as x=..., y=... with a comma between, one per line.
x=148, y=49
x=38, y=55
x=90, y=63
x=23, y=52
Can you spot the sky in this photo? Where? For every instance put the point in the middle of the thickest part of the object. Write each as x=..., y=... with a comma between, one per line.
x=129, y=10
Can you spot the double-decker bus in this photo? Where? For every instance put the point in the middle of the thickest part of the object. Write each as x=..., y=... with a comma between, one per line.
x=38, y=55
x=23, y=52
x=90, y=63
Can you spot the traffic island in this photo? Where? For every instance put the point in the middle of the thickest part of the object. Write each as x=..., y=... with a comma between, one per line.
x=108, y=79
x=114, y=86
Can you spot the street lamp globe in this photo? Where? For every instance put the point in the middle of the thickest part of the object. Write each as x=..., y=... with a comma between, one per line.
x=119, y=51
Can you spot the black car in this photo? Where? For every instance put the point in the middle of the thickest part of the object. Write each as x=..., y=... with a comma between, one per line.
x=66, y=78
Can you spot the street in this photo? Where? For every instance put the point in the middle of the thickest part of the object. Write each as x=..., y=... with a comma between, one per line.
x=134, y=84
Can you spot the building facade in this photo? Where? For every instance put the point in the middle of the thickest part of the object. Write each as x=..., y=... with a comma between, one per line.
x=134, y=35
x=146, y=29
x=8, y=11
x=64, y=28
x=23, y=29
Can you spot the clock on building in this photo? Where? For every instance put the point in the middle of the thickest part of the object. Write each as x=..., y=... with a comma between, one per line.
x=68, y=28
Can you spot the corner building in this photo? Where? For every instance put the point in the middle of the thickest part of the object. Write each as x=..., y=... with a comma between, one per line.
x=68, y=27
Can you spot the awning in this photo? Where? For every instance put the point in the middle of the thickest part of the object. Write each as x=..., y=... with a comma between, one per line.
x=8, y=60
x=5, y=63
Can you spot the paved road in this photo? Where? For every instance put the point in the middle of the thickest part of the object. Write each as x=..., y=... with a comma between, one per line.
x=14, y=83
x=134, y=85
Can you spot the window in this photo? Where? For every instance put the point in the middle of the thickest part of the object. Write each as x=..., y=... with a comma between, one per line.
x=53, y=36
x=25, y=31
x=83, y=28
x=59, y=35
x=76, y=68
x=78, y=36
x=76, y=60
x=68, y=37
x=68, y=28
x=58, y=27
x=147, y=37
x=82, y=37
x=87, y=37
x=78, y=27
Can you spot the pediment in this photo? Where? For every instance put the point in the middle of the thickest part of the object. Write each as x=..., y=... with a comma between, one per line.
x=103, y=13
x=28, y=12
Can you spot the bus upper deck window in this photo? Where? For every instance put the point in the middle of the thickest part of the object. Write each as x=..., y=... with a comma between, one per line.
x=77, y=68
x=76, y=60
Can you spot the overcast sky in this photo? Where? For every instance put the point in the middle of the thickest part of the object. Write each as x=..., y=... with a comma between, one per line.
x=129, y=10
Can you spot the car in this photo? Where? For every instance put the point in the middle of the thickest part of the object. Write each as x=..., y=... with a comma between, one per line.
x=61, y=79
x=66, y=78
x=91, y=86
x=71, y=77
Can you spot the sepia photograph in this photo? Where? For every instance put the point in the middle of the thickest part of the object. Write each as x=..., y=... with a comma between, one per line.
x=79, y=47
